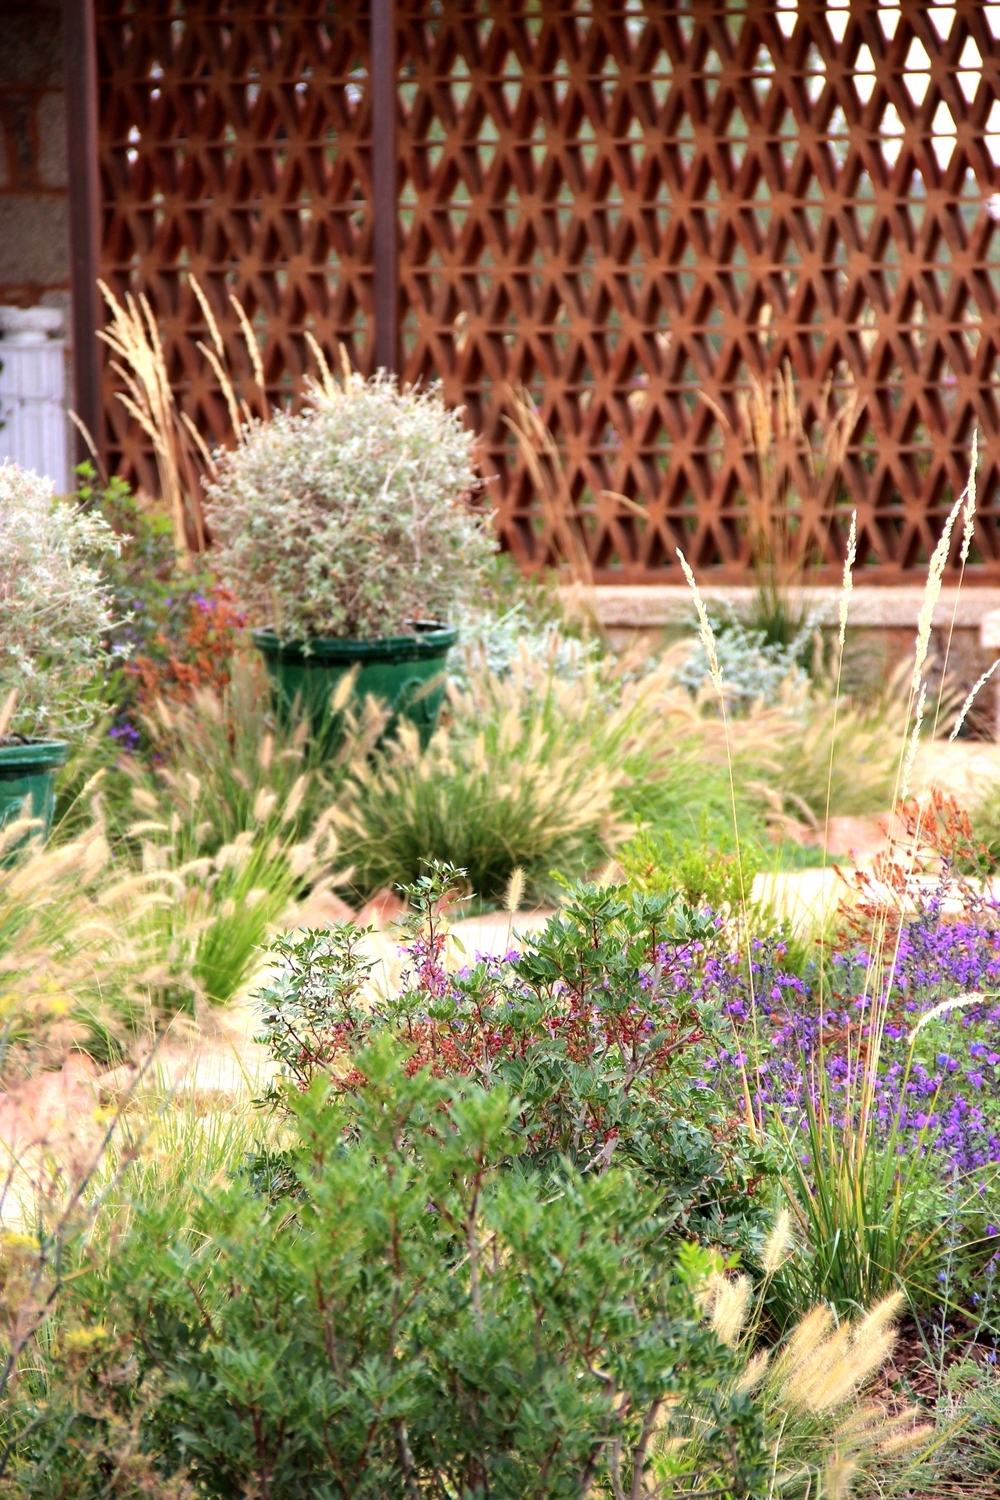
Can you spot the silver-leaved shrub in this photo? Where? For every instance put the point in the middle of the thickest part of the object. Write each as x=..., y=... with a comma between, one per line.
x=55, y=608
x=352, y=517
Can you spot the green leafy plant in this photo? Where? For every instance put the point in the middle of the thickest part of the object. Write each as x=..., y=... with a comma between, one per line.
x=410, y=1320
x=703, y=875
x=352, y=518
x=56, y=608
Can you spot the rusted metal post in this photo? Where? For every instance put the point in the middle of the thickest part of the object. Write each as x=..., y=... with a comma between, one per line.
x=80, y=54
x=382, y=79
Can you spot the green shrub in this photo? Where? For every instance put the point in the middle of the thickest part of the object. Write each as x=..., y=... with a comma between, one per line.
x=703, y=875
x=409, y=1320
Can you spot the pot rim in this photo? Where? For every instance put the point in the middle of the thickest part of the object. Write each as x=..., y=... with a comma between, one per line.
x=39, y=753
x=431, y=638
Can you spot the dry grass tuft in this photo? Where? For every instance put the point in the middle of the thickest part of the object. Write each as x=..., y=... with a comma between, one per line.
x=794, y=472
x=181, y=453
x=810, y=1393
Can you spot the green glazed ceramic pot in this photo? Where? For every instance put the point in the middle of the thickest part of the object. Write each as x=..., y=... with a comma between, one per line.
x=27, y=780
x=406, y=672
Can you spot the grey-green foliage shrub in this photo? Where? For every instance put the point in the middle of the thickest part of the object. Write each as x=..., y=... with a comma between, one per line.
x=498, y=640
x=411, y=1320
x=754, y=668
x=352, y=517
x=55, y=608
x=597, y=1027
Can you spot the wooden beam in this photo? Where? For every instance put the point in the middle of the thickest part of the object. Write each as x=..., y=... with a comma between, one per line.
x=382, y=83
x=80, y=54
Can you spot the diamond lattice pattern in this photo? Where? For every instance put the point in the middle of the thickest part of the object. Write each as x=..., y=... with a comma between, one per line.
x=629, y=208
x=234, y=146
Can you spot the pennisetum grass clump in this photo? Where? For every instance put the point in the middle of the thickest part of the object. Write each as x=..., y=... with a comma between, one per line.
x=824, y=1427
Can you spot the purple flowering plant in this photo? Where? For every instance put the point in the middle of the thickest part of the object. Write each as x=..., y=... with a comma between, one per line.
x=875, y=1064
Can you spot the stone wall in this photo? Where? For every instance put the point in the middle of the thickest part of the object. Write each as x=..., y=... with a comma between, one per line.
x=34, y=238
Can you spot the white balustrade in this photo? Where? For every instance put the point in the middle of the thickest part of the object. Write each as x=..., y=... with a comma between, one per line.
x=33, y=392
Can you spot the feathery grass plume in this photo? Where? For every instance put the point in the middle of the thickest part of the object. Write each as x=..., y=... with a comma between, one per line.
x=879, y=1319
x=932, y=592
x=704, y=626
x=138, y=360
x=848, y=585
x=838, y=1478
x=821, y=1369
x=222, y=376
x=968, y=528
x=526, y=770
x=914, y=742
x=777, y=1244
x=199, y=443
x=970, y=502
x=809, y=1396
x=179, y=450
x=209, y=317
x=970, y=700
x=753, y=1373
x=945, y=1007
x=249, y=338
x=543, y=461
x=730, y=1304
x=235, y=824
x=793, y=478
x=327, y=382
x=7, y=712
x=514, y=893
x=845, y=602
x=809, y=1332
x=328, y=385
x=905, y=1435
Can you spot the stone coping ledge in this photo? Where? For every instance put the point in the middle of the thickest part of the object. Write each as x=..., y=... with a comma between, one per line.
x=886, y=607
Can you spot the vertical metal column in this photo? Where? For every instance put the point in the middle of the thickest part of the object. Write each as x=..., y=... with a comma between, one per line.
x=80, y=54
x=384, y=183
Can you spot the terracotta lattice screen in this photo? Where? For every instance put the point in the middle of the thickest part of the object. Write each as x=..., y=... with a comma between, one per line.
x=629, y=208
